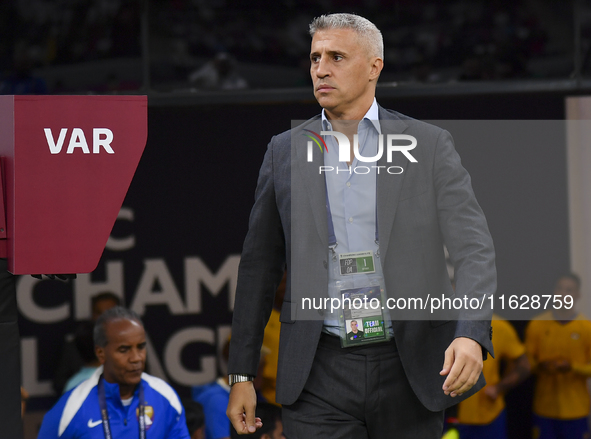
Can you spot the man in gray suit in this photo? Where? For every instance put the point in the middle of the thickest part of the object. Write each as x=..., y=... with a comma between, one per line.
x=398, y=383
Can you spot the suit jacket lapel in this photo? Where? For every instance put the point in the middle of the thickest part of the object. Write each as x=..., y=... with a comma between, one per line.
x=389, y=185
x=314, y=183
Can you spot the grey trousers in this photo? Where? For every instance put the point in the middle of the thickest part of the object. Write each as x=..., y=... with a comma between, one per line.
x=358, y=393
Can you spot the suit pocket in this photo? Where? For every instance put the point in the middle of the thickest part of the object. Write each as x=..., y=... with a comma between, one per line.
x=285, y=315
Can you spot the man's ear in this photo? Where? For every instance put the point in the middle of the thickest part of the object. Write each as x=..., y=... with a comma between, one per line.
x=377, y=64
x=99, y=351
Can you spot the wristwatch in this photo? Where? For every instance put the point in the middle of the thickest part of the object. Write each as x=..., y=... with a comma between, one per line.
x=234, y=378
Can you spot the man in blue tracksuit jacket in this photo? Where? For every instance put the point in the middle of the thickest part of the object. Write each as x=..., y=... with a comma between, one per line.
x=108, y=404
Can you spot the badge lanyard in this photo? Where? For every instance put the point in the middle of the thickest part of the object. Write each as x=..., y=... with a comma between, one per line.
x=372, y=319
x=105, y=414
x=332, y=239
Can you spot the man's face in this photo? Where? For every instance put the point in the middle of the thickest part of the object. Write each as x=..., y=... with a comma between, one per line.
x=566, y=286
x=343, y=72
x=124, y=356
x=354, y=326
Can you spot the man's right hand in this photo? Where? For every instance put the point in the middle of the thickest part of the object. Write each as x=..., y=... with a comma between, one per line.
x=241, y=408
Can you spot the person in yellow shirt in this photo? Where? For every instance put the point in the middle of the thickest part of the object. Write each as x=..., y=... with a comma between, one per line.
x=558, y=344
x=271, y=342
x=483, y=416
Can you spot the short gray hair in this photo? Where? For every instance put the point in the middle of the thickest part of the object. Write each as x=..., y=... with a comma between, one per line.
x=364, y=28
x=115, y=313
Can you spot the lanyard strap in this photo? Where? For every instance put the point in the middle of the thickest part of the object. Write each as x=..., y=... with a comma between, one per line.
x=105, y=414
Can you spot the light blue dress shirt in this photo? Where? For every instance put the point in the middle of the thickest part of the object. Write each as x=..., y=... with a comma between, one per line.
x=352, y=196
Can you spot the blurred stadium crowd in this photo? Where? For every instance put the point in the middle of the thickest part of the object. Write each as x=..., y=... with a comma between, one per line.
x=425, y=41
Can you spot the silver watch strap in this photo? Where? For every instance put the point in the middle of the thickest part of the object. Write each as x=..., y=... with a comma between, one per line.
x=234, y=378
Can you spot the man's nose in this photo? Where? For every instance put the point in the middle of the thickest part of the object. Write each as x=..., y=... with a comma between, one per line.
x=322, y=68
x=136, y=356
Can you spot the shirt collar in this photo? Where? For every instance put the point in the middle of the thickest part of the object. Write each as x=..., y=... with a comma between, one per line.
x=372, y=115
x=112, y=390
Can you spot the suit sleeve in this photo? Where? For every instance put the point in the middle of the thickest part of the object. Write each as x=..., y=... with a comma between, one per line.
x=261, y=268
x=465, y=233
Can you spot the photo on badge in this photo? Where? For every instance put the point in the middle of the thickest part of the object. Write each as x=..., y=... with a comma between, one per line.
x=362, y=319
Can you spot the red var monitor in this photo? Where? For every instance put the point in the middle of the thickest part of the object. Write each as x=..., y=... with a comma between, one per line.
x=67, y=163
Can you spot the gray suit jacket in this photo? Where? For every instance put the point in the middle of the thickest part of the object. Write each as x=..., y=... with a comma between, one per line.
x=429, y=204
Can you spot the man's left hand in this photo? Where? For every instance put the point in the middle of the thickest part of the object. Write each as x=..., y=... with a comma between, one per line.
x=462, y=365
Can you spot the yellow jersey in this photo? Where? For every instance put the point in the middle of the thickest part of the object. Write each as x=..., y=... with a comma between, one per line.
x=560, y=395
x=479, y=409
x=271, y=342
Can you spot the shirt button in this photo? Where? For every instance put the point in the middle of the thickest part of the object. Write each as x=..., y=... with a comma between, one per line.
x=348, y=184
x=351, y=219
x=321, y=312
x=325, y=264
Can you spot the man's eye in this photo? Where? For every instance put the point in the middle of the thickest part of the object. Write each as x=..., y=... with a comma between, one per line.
x=338, y=57
x=314, y=58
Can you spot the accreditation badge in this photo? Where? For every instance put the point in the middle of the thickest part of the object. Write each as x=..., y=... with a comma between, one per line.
x=362, y=318
x=357, y=263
